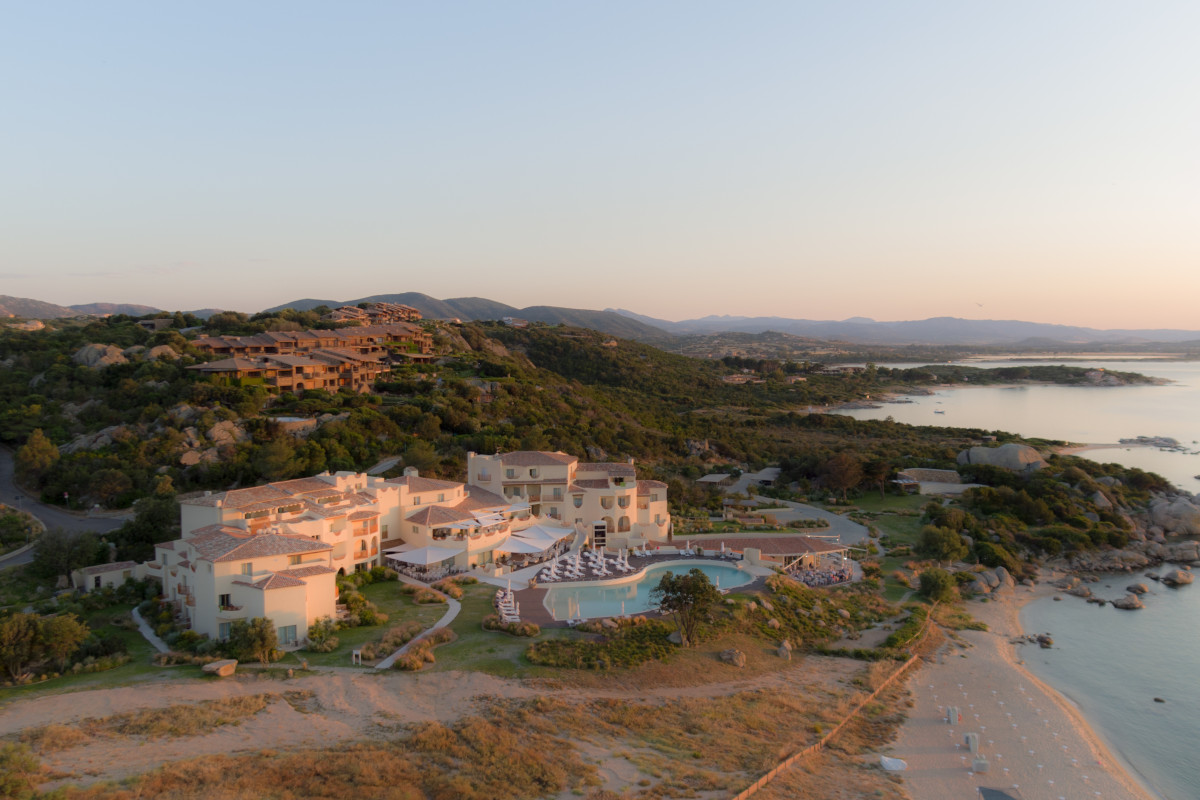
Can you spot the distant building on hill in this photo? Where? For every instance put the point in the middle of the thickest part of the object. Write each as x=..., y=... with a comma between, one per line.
x=373, y=314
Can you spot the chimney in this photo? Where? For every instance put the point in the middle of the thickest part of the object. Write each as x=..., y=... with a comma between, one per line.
x=411, y=472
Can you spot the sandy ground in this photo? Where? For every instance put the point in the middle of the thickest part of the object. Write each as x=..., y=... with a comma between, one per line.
x=1031, y=737
x=345, y=705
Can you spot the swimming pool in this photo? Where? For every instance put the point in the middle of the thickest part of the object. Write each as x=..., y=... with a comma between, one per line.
x=573, y=602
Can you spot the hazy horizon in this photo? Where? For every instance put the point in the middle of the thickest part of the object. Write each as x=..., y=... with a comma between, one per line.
x=1006, y=162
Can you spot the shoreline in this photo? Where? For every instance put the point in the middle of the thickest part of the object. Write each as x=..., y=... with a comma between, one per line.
x=998, y=689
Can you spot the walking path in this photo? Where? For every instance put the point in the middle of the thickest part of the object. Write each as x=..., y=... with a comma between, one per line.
x=452, y=609
x=148, y=632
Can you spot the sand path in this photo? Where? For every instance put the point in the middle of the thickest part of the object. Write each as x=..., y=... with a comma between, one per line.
x=1032, y=738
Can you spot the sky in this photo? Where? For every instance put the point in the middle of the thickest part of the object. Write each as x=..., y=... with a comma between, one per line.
x=820, y=160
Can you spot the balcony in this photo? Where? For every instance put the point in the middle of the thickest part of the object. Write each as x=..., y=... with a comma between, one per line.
x=191, y=600
x=361, y=532
x=483, y=477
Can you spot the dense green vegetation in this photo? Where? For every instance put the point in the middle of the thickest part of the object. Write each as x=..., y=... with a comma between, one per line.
x=495, y=388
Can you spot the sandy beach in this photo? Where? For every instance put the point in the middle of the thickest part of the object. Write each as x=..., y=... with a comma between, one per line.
x=1032, y=738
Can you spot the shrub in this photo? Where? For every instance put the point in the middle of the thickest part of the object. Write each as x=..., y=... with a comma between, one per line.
x=627, y=647
x=938, y=585
x=492, y=622
x=321, y=636
x=449, y=588
x=425, y=597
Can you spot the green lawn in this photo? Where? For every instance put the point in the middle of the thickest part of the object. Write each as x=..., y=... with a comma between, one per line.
x=871, y=501
x=138, y=668
x=488, y=651
x=388, y=598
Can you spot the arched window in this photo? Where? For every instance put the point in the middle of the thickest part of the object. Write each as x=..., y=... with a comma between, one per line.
x=578, y=500
x=623, y=525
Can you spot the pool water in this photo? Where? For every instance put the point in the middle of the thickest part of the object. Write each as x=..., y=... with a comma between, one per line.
x=573, y=602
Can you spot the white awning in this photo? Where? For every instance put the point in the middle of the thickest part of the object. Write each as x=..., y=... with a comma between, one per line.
x=514, y=545
x=518, y=507
x=424, y=556
x=544, y=535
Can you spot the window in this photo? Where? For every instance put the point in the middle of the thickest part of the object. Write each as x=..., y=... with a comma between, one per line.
x=224, y=629
x=623, y=502
x=578, y=500
x=441, y=497
x=416, y=501
x=224, y=601
x=293, y=560
x=248, y=568
x=510, y=473
x=533, y=473
x=623, y=524
x=557, y=493
x=96, y=585
x=606, y=502
x=287, y=634
x=385, y=532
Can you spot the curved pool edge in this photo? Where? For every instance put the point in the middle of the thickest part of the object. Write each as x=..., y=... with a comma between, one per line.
x=637, y=576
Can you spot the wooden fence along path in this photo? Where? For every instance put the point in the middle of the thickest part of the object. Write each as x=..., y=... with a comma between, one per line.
x=818, y=746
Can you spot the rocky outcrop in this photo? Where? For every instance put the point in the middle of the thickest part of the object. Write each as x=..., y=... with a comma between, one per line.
x=1129, y=602
x=222, y=669
x=96, y=441
x=1176, y=515
x=1177, y=577
x=1137, y=588
x=227, y=433
x=1110, y=561
x=162, y=351
x=1017, y=457
x=98, y=356
x=734, y=656
x=1100, y=500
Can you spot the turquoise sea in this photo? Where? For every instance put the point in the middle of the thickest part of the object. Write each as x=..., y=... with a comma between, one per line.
x=1110, y=663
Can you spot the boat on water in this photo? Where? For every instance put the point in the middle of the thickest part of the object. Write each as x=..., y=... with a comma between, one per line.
x=938, y=411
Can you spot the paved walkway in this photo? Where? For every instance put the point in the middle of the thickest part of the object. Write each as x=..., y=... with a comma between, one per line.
x=148, y=632
x=847, y=531
x=452, y=609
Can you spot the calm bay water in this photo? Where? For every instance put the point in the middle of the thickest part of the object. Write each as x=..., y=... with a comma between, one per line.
x=1110, y=663
x=1083, y=414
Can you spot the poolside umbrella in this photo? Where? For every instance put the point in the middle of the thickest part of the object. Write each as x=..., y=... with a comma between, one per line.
x=722, y=547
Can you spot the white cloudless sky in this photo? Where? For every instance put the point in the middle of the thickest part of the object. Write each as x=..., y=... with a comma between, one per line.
x=1015, y=160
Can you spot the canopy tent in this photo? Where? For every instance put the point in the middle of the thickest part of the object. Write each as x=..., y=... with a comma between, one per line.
x=522, y=506
x=518, y=546
x=543, y=536
x=423, y=556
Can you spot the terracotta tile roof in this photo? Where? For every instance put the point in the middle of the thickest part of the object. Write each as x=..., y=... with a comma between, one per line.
x=418, y=484
x=102, y=568
x=229, y=364
x=481, y=498
x=591, y=483
x=615, y=468
x=357, y=515
x=432, y=516
x=643, y=487
x=307, y=572
x=219, y=546
x=277, y=581
x=532, y=458
x=168, y=545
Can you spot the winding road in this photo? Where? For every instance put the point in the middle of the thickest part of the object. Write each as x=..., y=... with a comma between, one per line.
x=13, y=495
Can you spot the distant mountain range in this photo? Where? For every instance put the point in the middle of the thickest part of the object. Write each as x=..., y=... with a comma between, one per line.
x=937, y=330
x=480, y=308
x=629, y=325
x=36, y=309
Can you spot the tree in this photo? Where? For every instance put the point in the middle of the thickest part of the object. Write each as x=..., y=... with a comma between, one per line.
x=688, y=598
x=156, y=519
x=254, y=639
x=322, y=636
x=18, y=770
x=843, y=471
x=941, y=544
x=27, y=640
x=36, y=457
x=57, y=553
x=876, y=472
x=938, y=585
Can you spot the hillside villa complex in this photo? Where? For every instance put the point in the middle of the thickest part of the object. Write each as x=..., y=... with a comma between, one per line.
x=275, y=550
x=288, y=361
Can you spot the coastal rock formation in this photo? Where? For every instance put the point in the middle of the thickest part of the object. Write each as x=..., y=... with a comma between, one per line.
x=1176, y=515
x=98, y=356
x=162, y=351
x=1017, y=457
x=226, y=433
x=1177, y=577
x=1111, y=560
x=1137, y=588
x=1100, y=500
x=1129, y=602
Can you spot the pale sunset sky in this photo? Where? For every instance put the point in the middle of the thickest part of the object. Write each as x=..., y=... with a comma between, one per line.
x=899, y=160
